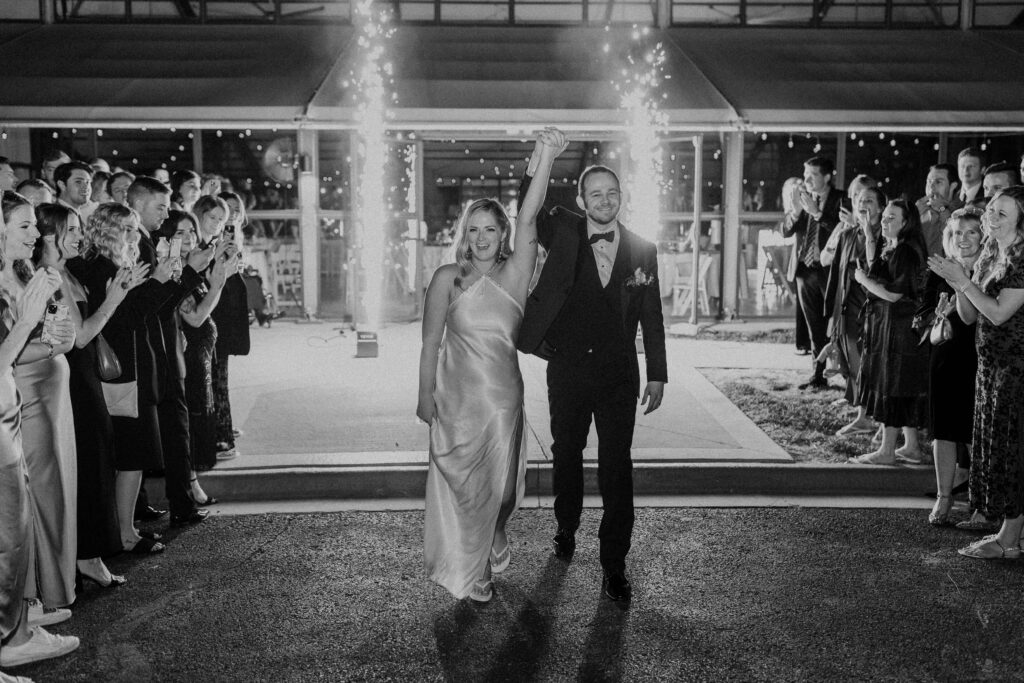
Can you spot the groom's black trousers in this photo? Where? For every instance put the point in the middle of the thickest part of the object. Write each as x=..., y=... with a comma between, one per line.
x=604, y=391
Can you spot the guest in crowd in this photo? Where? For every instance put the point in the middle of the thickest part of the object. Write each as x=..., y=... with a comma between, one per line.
x=151, y=199
x=8, y=179
x=98, y=530
x=936, y=205
x=36, y=191
x=997, y=177
x=893, y=381
x=186, y=188
x=969, y=163
x=847, y=216
x=212, y=185
x=953, y=366
x=111, y=246
x=817, y=217
x=99, y=165
x=846, y=297
x=73, y=181
x=99, y=195
x=200, y=335
x=232, y=318
x=993, y=298
x=47, y=430
x=791, y=206
x=24, y=640
x=117, y=186
x=52, y=159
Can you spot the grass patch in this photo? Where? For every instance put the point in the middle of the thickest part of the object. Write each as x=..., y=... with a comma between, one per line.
x=760, y=336
x=804, y=423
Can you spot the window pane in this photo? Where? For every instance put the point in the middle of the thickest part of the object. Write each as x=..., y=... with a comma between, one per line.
x=139, y=150
x=274, y=251
x=258, y=163
x=898, y=162
x=335, y=168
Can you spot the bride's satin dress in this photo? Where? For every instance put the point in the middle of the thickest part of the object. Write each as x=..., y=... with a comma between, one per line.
x=477, y=439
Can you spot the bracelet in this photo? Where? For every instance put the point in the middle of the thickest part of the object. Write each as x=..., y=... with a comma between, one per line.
x=49, y=355
x=963, y=290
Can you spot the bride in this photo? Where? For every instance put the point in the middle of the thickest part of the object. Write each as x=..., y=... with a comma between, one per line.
x=470, y=389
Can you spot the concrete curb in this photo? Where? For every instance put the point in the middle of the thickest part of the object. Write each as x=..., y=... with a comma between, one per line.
x=649, y=479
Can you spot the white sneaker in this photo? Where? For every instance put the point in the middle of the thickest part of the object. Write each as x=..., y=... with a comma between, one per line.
x=228, y=454
x=42, y=645
x=38, y=615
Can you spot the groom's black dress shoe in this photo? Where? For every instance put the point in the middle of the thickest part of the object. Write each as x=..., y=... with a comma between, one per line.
x=149, y=513
x=564, y=544
x=616, y=586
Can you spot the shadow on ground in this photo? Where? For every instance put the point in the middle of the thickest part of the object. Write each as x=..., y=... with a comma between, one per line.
x=720, y=594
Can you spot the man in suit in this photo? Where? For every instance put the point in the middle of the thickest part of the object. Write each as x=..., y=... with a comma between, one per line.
x=813, y=222
x=598, y=283
x=151, y=199
x=999, y=176
x=935, y=207
x=969, y=163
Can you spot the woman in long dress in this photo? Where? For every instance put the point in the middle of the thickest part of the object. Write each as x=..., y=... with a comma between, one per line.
x=19, y=315
x=98, y=530
x=994, y=299
x=48, y=439
x=471, y=391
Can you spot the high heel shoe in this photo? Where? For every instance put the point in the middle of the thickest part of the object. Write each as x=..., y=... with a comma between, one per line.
x=939, y=516
x=80, y=578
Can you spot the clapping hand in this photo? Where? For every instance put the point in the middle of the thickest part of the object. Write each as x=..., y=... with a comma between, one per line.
x=949, y=270
x=861, y=276
x=164, y=270
x=31, y=304
x=807, y=203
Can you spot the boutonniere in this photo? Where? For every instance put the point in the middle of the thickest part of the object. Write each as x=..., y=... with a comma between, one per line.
x=639, y=278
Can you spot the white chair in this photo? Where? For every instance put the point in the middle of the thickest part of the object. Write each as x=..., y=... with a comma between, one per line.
x=682, y=290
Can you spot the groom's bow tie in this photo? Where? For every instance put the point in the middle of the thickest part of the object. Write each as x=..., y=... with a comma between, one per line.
x=598, y=236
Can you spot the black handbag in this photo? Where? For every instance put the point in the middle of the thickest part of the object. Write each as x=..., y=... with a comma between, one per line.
x=107, y=364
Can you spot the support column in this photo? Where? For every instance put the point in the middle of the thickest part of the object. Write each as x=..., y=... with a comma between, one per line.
x=840, y=180
x=733, y=204
x=197, y=151
x=663, y=18
x=966, y=15
x=309, y=225
x=698, y=205
x=943, y=155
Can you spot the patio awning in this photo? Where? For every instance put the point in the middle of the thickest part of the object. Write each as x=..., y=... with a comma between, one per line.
x=511, y=78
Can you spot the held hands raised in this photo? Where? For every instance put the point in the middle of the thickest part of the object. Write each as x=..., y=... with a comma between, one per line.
x=31, y=305
x=553, y=139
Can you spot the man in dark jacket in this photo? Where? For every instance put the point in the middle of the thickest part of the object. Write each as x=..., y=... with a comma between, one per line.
x=598, y=283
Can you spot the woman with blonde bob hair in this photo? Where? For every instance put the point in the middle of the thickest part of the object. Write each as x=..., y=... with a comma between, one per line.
x=112, y=247
x=471, y=390
x=113, y=233
x=993, y=298
x=953, y=364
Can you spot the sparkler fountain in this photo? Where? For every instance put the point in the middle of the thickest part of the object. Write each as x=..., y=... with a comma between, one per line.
x=371, y=80
x=639, y=80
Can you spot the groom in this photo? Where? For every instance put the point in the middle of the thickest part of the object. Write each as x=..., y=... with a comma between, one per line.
x=598, y=282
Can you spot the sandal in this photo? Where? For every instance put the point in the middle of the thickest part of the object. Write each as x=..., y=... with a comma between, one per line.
x=482, y=591
x=875, y=458
x=500, y=561
x=144, y=546
x=989, y=548
x=939, y=516
x=153, y=536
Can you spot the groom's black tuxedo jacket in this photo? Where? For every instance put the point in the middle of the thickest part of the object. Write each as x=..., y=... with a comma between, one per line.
x=562, y=233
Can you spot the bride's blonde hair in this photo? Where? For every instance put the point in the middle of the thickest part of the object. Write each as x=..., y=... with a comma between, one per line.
x=463, y=255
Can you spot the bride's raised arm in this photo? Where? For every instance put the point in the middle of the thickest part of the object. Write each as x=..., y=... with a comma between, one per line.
x=550, y=143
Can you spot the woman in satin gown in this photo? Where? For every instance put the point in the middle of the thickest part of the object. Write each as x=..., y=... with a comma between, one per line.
x=42, y=376
x=471, y=391
x=19, y=316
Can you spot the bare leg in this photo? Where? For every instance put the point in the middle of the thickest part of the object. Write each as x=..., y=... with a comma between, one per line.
x=945, y=471
x=198, y=495
x=126, y=491
x=886, y=453
x=911, y=449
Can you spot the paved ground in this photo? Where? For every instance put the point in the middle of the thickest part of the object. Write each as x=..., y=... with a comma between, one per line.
x=302, y=395
x=721, y=595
